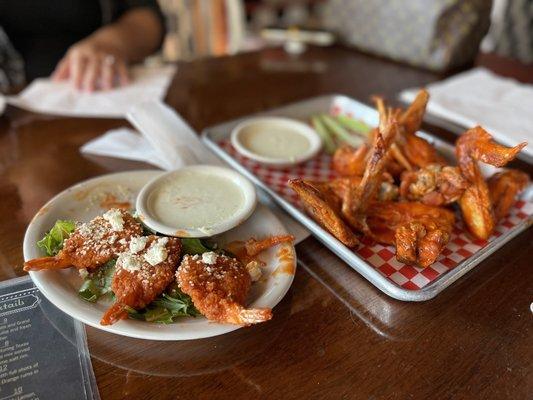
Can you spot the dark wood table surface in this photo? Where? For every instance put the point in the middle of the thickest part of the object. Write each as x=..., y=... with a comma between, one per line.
x=334, y=335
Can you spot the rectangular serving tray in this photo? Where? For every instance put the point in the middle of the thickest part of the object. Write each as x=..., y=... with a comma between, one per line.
x=215, y=135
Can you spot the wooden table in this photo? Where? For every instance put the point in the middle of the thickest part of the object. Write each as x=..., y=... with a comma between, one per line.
x=334, y=335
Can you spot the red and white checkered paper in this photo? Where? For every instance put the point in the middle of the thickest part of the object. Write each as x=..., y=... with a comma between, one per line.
x=461, y=245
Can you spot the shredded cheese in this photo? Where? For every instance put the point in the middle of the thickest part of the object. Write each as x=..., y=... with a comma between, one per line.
x=114, y=217
x=129, y=262
x=138, y=244
x=209, y=258
x=157, y=252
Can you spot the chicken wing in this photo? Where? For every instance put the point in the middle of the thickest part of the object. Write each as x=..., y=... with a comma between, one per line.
x=398, y=162
x=418, y=151
x=93, y=243
x=476, y=206
x=142, y=274
x=412, y=118
x=503, y=187
x=419, y=232
x=420, y=245
x=218, y=289
x=349, y=161
x=410, y=150
x=339, y=186
x=357, y=198
x=433, y=185
x=324, y=207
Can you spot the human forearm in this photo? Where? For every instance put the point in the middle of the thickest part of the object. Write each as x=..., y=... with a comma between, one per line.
x=132, y=37
x=100, y=60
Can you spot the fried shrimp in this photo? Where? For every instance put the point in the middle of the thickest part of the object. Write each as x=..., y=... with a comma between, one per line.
x=254, y=246
x=142, y=274
x=93, y=243
x=218, y=287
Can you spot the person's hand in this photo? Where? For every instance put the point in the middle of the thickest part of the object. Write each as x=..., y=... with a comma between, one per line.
x=90, y=67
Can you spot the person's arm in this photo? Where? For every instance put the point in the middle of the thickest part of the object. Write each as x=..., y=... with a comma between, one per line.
x=100, y=60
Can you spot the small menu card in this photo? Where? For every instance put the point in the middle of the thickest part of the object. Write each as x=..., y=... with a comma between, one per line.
x=43, y=352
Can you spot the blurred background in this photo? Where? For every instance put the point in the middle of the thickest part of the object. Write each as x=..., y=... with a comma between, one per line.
x=92, y=42
x=436, y=34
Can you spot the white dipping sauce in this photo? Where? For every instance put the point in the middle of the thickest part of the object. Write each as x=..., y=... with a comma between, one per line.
x=274, y=141
x=195, y=200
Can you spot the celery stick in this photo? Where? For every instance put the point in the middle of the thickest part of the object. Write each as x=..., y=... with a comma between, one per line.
x=340, y=132
x=327, y=140
x=354, y=125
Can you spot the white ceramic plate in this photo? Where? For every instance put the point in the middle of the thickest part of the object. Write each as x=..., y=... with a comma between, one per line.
x=86, y=200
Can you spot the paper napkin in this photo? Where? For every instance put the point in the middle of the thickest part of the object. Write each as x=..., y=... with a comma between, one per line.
x=503, y=106
x=60, y=98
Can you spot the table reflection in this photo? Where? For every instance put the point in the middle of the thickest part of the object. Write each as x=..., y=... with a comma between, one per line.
x=375, y=310
x=189, y=357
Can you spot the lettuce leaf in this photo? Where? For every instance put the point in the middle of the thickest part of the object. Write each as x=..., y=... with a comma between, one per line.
x=166, y=308
x=52, y=242
x=195, y=246
x=98, y=283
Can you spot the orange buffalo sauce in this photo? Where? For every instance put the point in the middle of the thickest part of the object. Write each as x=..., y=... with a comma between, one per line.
x=286, y=261
x=110, y=201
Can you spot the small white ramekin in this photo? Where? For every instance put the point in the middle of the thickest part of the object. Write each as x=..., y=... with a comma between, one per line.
x=270, y=123
x=150, y=220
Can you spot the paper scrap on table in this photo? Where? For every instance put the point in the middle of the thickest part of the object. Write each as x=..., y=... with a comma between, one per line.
x=168, y=142
x=2, y=104
x=503, y=106
x=60, y=98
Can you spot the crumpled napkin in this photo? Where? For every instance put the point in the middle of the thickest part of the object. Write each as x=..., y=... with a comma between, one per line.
x=59, y=98
x=124, y=143
x=165, y=140
x=503, y=106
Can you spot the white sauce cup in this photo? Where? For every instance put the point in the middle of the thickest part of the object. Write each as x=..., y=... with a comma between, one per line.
x=266, y=126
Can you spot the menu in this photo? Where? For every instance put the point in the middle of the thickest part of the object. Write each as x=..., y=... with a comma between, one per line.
x=43, y=352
